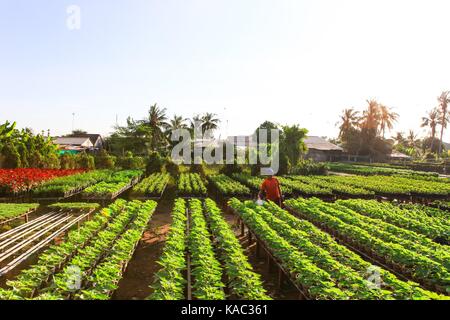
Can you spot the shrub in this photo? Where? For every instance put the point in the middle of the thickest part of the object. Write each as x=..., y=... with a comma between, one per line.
x=172, y=168
x=154, y=163
x=285, y=165
x=105, y=160
x=230, y=169
x=52, y=161
x=131, y=162
x=85, y=161
x=308, y=167
x=198, y=168
x=68, y=161
x=11, y=158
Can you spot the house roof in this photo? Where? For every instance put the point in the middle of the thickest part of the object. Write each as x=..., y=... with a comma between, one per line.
x=399, y=155
x=92, y=136
x=74, y=141
x=318, y=143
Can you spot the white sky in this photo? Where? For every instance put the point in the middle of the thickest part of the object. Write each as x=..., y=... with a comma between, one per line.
x=288, y=61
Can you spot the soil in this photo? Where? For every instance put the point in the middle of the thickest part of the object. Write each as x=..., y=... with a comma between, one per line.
x=137, y=279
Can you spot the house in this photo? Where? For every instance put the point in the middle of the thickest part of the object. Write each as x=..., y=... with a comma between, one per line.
x=74, y=144
x=81, y=142
x=395, y=155
x=322, y=150
x=96, y=140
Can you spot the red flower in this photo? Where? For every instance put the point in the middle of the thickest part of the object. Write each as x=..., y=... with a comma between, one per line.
x=21, y=180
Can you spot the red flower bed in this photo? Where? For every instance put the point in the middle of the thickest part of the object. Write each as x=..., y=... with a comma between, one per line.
x=22, y=180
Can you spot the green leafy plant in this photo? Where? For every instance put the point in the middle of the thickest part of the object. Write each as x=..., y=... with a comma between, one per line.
x=154, y=185
x=75, y=206
x=112, y=246
x=30, y=280
x=397, y=246
x=191, y=184
x=12, y=210
x=112, y=186
x=316, y=282
x=169, y=280
x=68, y=185
x=206, y=269
x=243, y=281
x=228, y=187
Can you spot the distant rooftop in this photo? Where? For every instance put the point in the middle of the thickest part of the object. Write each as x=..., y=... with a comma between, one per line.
x=318, y=143
x=74, y=141
x=92, y=136
x=399, y=155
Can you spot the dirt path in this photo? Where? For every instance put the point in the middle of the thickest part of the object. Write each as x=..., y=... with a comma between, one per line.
x=135, y=284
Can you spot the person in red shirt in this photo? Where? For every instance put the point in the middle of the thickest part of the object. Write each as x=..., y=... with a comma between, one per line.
x=271, y=189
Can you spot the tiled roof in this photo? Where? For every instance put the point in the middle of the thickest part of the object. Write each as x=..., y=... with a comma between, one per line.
x=318, y=143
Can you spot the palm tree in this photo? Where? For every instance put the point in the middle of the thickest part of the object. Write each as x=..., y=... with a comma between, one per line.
x=209, y=122
x=444, y=100
x=349, y=120
x=387, y=118
x=371, y=117
x=195, y=121
x=432, y=121
x=177, y=122
x=399, y=139
x=411, y=139
x=157, y=122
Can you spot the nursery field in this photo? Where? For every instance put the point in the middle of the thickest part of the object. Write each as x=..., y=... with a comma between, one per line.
x=322, y=268
x=377, y=170
x=152, y=186
x=338, y=238
x=395, y=187
x=39, y=184
x=90, y=261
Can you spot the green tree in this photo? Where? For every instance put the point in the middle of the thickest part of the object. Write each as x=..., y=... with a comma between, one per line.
x=444, y=100
x=21, y=148
x=135, y=137
x=210, y=123
x=365, y=135
x=154, y=164
x=431, y=121
x=85, y=161
x=77, y=132
x=177, y=122
x=349, y=121
x=157, y=122
x=292, y=143
x=104, y=161
x=68, y=161
x=387, y=119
